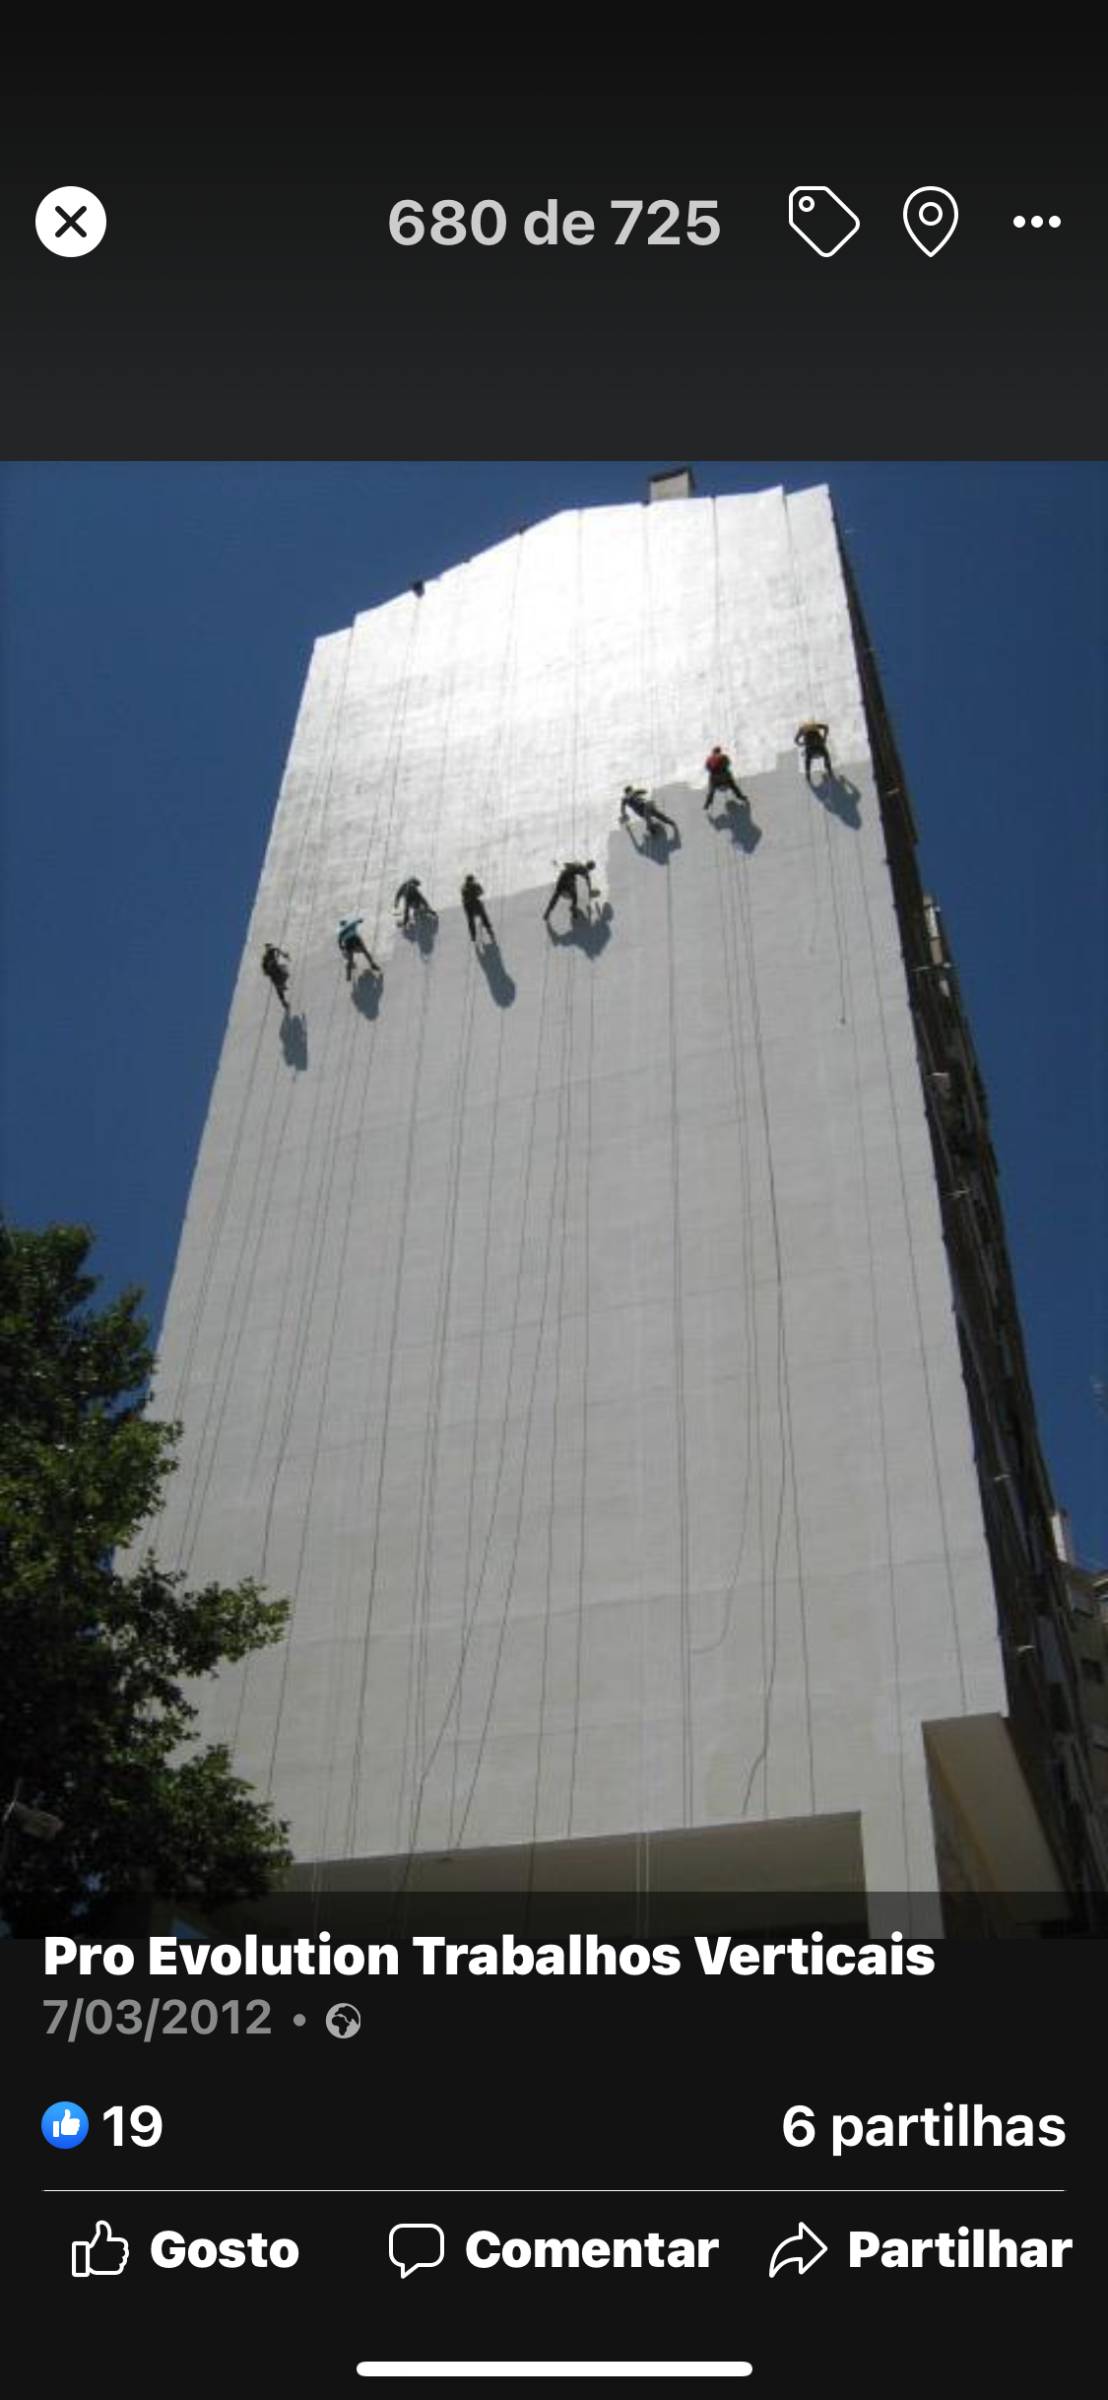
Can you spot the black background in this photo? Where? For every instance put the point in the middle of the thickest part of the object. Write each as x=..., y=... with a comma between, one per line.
x=636, y=2105
x=248, y=302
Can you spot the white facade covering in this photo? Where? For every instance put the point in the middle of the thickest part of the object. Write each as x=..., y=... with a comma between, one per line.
x=571, y=1339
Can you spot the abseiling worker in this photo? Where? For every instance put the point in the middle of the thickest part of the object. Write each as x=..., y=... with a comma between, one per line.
x=473, y=903
x=574, y=871
x=275, y=967
x=811, y=737
x=416, y=903
x=351, y=945
x=720, y=778
x=636, y=803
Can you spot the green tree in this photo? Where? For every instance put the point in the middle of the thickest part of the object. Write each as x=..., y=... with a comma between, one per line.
x=94, y=1724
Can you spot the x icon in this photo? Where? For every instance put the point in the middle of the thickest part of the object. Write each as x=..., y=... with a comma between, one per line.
x=71, y=221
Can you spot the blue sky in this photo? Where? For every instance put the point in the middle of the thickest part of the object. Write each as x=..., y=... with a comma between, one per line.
x=156, y=627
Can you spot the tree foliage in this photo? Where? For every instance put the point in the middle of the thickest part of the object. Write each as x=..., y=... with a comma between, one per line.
x=94, y=1723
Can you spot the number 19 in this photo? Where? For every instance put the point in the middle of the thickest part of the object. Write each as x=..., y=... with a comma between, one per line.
x=145, y=2126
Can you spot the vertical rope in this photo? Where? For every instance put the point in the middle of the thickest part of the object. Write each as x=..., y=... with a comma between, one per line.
x=788, y=1479
x=753, y=1465
x=677, y=1260
x=801, y=612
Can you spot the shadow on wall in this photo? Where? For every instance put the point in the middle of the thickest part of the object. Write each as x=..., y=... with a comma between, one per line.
x=840, y=798
x=590, y=934
x=366, y=993
x=294, y=1042
x=655, y=846
x=738, y=821
x=835, y=792
x=501, y=987
x=421, y=931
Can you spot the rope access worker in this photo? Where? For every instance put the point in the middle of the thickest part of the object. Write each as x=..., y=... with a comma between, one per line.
x=351, y=945
x=476, y=913
x=652, y=816
x=812, y=738
x=566, y=888
x=416, y=903
x=720, y=778
x=275, y=965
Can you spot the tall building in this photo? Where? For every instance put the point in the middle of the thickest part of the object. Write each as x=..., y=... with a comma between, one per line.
x=605, y=1339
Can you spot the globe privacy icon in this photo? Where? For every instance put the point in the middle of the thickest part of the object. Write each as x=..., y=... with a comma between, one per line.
x=343, y=2020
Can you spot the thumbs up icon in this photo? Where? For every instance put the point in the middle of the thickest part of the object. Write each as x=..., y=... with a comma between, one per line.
x=106, y=2254
x=64, y=2124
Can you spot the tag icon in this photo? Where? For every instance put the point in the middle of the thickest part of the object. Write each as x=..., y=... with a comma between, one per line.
x=930, y=216
x=821, y=219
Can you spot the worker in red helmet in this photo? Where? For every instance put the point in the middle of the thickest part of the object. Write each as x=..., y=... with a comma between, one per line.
x=720, y=778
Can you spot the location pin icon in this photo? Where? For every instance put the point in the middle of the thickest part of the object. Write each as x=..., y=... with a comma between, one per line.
x=930, y=216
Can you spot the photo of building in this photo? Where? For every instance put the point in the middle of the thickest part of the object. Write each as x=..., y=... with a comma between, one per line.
x=596, y=1318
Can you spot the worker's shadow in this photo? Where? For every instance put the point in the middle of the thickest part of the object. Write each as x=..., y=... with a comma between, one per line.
x=294, y=1042
x=656, y=846
x=738, y=821
x=366, y=993
x=840, y=798
x=421, y=930
x=590, y=934
x=501, y=987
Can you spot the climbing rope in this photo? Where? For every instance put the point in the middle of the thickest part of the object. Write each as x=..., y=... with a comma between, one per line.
x=744, y=943
x=677, y=1258
x=732, y=970
x=323, y=1148
x=800, y=606
x=391, y=1357
x=456, y=1695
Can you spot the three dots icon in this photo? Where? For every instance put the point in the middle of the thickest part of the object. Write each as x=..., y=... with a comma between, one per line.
x=1037, y=223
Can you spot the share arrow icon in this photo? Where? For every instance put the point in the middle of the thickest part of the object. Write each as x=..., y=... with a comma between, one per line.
x=802, y=2249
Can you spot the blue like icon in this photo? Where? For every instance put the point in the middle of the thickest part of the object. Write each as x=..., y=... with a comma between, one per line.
x=64, y=2124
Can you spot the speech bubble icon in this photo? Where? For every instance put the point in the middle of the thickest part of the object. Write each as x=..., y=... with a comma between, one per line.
x=412, y=2246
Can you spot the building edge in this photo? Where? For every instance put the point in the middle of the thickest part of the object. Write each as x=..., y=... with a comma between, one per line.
x=1049, y=1727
